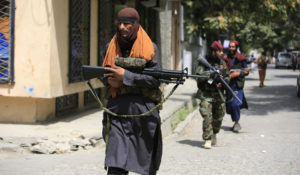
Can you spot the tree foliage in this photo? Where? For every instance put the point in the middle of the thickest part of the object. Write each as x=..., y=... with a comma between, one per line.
x=268, y=24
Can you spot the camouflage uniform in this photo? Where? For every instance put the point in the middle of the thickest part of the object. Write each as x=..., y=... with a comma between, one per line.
x=212, y=105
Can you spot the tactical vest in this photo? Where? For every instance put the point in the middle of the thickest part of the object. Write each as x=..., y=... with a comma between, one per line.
x=240, y=81
x=134, y=65
x=204, y=85
x=210, y=92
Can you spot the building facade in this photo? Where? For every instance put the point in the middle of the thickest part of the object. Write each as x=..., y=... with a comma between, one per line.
x=44, y=43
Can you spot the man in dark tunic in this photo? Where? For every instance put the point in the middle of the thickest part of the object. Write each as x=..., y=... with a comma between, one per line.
x=134, y=144
x=236, y=60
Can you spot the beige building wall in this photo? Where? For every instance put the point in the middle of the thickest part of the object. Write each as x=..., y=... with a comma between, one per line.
x=60, y=45
x=41, y=60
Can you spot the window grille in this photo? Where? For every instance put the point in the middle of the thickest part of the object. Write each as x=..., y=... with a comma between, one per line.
x=89, y=98
x=79, y=38
x=106, y=26
x=65, y=104
x=6, y=40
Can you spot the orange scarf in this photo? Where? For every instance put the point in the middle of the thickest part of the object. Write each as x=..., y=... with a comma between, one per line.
x=142, y=48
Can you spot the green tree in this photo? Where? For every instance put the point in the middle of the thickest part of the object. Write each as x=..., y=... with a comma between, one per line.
x=267, y=24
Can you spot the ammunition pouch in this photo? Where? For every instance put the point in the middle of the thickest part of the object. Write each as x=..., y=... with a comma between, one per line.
x=240, y=82
x=156, y=95
x=130, y=63
x=204, y=86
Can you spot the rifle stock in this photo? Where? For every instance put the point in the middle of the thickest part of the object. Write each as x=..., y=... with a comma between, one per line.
x=90, y=72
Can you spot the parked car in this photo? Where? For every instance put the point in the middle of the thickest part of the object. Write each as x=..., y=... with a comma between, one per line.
x=284, y=59
x=298, y=85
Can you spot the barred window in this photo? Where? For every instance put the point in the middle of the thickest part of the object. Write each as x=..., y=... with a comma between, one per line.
x=6, y=41
x=66, y=104
x=79, y=37
x=106, y=26
x=89, y=98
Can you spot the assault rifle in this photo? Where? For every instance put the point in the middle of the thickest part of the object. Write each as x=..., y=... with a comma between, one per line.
x=244, y=70
x=215, y=74
x=164, y=76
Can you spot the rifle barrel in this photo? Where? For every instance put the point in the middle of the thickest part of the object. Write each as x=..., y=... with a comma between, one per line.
x=197, y=76
x=231, y=91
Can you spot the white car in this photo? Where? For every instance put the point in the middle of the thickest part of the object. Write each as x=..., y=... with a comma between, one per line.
x=284, y=59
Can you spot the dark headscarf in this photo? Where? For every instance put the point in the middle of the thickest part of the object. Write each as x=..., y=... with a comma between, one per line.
x=235, y=42
x=216, y=46
x=128, y=15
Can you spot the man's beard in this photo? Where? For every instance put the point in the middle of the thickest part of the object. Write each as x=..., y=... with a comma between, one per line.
x=232, y=52
x=214, y=58
x=127, y=42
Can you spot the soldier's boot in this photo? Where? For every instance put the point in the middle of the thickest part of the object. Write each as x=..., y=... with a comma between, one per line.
x=237, y=127
x=207, y=144
x=213, y=139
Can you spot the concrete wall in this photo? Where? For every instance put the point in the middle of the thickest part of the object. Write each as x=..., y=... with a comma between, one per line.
x=26, y=110
x=164, y=27
x=41, y=60
x=41, y=50
x=32, y=51
x=194, y=49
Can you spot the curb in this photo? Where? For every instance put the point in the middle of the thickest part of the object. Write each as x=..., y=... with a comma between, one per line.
x=184, y=124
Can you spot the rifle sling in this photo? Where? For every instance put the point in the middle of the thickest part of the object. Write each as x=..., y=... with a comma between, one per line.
x=125, y=115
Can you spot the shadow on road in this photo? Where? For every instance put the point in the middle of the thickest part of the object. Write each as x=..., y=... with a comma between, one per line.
x=272, y=99
x=251, y=79
x=226, y=128
x=287, y=76
x=192, y=143
x=71, y=116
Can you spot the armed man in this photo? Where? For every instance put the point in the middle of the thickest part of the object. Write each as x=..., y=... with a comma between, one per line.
x=211, y=93
x=236, y=62
x=133, y=144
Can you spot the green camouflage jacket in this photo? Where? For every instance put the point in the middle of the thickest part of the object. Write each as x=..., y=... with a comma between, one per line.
x=208, y=90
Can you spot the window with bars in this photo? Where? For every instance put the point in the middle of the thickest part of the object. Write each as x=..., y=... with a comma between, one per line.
x=106, y=26
x=66, y=104
x=79, y=37
x=89, y=98
x=6, y=40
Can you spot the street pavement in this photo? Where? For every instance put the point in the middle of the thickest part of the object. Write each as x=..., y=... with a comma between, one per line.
x=83, y=130
x=269, y=142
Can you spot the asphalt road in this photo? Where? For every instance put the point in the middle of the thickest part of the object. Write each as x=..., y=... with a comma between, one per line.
x=269, y=142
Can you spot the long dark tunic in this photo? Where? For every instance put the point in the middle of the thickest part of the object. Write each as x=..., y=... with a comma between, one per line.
x=134, y=144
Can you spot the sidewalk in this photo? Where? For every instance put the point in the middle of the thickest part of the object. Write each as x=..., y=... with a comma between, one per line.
x=82, y=130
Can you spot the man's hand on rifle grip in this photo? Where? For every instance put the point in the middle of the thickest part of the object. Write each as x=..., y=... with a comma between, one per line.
x=220, y=84
x=116, y=73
